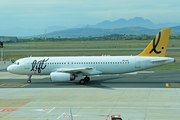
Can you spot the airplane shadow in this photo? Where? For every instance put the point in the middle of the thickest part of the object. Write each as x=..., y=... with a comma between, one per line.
x=105, y=83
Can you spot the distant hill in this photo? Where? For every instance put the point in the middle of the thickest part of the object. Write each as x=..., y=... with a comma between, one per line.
x=94, y=32
x=136, y=26
x=86, y=32
x=135, y=22
x=121, y=23
x=19, y=31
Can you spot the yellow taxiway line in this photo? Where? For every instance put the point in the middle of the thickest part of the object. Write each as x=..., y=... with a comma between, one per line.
x=172, y=84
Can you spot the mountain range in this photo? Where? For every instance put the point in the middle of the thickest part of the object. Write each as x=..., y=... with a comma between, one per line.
x=135, y=22
x=136, y=26
x=94, y=32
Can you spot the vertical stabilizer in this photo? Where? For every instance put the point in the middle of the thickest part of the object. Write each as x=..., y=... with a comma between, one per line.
x=158, y=46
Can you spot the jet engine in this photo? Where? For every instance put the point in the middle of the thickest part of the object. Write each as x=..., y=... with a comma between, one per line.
x=59, y=76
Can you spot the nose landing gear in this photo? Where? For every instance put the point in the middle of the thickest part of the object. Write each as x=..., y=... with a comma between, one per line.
x=29, y=80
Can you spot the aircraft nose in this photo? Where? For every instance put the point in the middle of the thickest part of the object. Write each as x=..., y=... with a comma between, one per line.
x=9, y=69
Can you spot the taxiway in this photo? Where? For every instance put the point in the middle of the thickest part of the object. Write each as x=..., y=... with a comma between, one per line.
x=141, y=95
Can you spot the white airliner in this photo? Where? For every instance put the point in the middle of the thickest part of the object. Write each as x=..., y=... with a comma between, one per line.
x=79, y=68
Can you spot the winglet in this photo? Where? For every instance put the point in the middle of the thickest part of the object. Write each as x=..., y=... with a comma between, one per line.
x=157, y=47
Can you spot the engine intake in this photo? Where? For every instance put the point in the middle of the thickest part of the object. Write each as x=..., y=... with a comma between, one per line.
x=59, y=76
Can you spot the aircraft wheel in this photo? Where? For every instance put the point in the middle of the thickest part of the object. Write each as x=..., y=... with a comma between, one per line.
x=29, y=81
x=87, y=79
x=82, y=81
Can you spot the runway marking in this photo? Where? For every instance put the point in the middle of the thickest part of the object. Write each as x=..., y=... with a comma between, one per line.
x=145, y=71
x=2, y=84
x=51, y=109
x=6, y=110
x=26, y=85
x=172, y=84
x=40, y=110
x=16, y=116
x=14, y=85
x=93, y=110
x=61, y=115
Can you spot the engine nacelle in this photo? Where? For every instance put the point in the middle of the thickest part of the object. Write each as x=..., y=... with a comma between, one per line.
x=59, y=76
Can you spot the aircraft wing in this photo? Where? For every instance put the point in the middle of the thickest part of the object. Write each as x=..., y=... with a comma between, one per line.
x=85, y=70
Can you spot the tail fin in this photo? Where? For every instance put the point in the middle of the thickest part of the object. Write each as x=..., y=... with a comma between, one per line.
x=157, y=47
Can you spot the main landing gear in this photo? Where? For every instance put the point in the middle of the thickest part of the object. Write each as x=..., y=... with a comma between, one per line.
x=29, y=80
x=83, y=81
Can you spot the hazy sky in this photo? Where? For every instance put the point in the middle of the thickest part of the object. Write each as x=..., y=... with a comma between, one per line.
x=44, y=13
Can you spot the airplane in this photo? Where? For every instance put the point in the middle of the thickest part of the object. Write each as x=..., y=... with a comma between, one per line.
x=81, y=67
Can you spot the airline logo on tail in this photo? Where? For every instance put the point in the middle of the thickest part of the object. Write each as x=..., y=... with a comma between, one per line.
x=157, y=47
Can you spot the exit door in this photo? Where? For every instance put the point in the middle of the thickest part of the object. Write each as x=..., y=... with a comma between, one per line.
x=26, y=64
x=137, y=63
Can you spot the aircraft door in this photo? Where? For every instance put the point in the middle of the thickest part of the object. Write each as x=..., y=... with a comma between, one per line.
x=137, y=63
x=26, y=64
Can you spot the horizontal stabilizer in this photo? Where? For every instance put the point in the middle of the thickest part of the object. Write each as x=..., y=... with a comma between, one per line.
x=161, y=60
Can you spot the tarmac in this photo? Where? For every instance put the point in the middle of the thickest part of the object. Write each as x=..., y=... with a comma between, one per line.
x=145, y=95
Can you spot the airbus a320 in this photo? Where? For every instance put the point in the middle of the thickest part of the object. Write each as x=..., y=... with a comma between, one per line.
x=81, y=67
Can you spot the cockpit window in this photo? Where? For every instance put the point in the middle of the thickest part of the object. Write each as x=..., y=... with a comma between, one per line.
x=17, y=63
